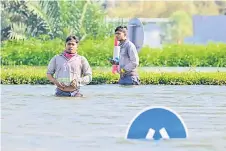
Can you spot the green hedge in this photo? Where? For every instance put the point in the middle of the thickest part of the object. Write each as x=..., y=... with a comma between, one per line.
x=211, y=55
x=37, y=75
x=39, y=52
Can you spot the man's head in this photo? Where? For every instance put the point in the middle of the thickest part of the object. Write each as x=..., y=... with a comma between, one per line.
x=72, y=44
x=121, y=33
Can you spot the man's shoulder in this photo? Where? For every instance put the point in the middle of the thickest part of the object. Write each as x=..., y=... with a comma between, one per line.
x=130, y=44
x=56, y=56
x=83, y=58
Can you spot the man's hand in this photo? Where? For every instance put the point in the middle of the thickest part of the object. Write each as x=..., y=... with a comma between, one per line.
x=75, y=84
x=113, y=62
x=54, y=81
x=59, y=84
x=122, y=72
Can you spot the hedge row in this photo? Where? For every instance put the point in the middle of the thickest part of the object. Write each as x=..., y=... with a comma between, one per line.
x=37, y=75
x=39, y=52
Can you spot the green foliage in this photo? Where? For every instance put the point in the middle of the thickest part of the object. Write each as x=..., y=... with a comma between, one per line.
x=98, y=51
x=37, y=75
x=39, y=52
x=211, y=55
x=23, y=19
x=182, y=26
x=30, y=52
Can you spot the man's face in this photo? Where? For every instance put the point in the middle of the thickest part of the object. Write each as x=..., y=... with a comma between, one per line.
x=120, y=35
x=71, y=47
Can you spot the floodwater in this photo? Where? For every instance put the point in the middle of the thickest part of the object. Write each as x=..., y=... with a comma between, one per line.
x=32, y=119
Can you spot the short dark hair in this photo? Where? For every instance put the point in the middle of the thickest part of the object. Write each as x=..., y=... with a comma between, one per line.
x=72, y=37
x=121, y=28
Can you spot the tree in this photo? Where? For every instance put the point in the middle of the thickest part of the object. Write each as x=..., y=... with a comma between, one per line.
x=23, y=19
x=181, y=27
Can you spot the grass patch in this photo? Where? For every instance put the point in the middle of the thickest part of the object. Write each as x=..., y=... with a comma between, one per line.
x=103, y=75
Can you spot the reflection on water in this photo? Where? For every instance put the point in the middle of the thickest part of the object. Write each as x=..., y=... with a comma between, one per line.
x=33, y=119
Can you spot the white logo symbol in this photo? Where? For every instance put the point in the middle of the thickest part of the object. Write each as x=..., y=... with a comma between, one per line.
x=162, y=132
x=65, y=66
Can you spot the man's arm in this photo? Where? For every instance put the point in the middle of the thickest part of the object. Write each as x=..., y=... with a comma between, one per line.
x=51, y=78
x=134, y=59
x=50, y=72
x=51, y=67
x=86, y=72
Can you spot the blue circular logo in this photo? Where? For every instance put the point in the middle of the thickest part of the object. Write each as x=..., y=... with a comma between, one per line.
x=157, y=123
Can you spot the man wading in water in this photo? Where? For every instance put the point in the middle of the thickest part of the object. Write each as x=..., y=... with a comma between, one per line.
x=71, y=70
x=128, y=59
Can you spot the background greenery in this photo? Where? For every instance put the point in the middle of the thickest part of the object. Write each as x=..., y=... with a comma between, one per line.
x=35, y=51
x=37, y=75
x=57, y=19
x=32, y=32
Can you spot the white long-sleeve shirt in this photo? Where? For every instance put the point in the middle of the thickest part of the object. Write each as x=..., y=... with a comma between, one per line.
x=67, y=70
